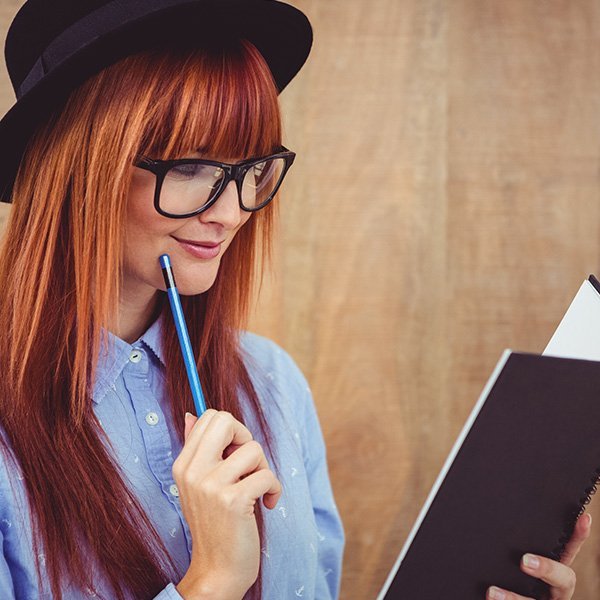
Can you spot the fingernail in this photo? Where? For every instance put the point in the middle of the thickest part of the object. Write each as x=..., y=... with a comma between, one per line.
x=530, y=561
x=188, y=414
x=589, y=519
x=496, y=593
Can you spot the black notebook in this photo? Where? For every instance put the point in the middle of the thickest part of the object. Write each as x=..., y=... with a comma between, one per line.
x=523, y=468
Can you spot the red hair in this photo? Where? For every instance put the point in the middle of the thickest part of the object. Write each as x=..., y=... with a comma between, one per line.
x=60, y=272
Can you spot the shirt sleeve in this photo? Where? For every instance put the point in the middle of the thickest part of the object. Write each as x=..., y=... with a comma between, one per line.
x=327, y=516
x=7, y=589
x=169, y=593
x=304, y=420
x=7, y=584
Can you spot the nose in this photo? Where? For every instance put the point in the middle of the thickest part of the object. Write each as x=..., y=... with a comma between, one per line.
x=226, y=210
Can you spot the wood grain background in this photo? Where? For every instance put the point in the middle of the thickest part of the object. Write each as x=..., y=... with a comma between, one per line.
x=444, y=206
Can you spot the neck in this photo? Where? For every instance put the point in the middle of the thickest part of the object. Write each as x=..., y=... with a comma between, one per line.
x=137, y=311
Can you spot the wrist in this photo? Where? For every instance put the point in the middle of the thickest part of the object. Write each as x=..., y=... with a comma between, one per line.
x=190, y=588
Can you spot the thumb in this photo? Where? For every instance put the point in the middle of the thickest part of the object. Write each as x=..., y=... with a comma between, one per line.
x=190, y=420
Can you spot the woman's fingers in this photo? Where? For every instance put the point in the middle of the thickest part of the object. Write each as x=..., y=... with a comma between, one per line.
x=224, y=429
x=249, y=460
x=262, y=483
x=245, y=460
x=231, y=449
x=559, y=576
x=190, y=421
x=202, y=421
x=211, y=434
x=496, y=593
x=581, y=533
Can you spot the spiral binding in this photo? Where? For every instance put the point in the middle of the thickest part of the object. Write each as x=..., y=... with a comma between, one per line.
x=583, y=502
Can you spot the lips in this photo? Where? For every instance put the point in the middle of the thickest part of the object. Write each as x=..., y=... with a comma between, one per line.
x=202, y=243
x=200, y=248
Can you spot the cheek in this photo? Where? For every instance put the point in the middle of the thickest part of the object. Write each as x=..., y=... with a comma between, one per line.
x=143, y=222
x=244, y=218
x=145, y=231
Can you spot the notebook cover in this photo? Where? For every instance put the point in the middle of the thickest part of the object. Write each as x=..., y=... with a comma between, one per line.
x=594, y=281
x=527, y=464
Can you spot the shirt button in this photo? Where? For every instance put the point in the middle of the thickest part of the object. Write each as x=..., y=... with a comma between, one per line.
x=174, y=490
x=152, y=418
x=135, y=356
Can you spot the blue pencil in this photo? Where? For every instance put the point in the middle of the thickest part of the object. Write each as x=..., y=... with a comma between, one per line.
x=182, y=334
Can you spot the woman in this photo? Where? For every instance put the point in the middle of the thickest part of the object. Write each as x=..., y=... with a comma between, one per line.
x=93, y=409
x=103, y=481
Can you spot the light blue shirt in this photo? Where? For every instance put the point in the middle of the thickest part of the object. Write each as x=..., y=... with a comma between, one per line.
x=303, y=547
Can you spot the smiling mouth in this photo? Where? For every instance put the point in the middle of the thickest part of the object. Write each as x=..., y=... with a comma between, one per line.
x=201, y=250
x=200, y=242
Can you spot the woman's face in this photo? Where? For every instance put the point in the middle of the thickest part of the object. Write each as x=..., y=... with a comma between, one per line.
x=149, y=234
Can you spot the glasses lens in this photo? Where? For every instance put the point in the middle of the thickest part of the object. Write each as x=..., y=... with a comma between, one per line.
x=260, y=182
x=188, y=186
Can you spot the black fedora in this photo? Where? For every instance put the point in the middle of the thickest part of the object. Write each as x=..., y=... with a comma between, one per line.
x=54, y=46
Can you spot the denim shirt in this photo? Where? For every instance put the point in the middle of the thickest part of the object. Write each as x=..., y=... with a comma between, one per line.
x=302, y=549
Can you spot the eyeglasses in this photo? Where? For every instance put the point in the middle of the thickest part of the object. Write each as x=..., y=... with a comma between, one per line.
x=188, y=186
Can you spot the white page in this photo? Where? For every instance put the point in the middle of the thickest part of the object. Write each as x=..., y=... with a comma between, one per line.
x=578, y=334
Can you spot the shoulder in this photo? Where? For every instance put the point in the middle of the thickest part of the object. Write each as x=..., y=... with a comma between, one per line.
x=264, y=357
x=279, y=381
x=275, y=374
x=262, y=347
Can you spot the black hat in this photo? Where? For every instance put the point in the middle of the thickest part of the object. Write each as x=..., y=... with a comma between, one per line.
x=53, y=46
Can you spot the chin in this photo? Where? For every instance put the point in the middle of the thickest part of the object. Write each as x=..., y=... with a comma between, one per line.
x=193, y=291
x=195, y=278
x=193, y=288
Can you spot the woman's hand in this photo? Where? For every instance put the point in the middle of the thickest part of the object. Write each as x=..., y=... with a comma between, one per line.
x=558, y=575
x=221, y=472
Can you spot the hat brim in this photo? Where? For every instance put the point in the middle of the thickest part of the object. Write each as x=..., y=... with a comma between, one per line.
x=281, y=33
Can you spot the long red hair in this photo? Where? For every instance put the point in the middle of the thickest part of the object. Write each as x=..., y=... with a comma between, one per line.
x=60, y=273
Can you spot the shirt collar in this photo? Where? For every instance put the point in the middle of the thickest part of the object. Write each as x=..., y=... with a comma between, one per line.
x=153, y=338
x=111, y=363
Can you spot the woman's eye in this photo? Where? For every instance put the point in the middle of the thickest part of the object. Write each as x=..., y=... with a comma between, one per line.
x=184, y=170
x=208, y=174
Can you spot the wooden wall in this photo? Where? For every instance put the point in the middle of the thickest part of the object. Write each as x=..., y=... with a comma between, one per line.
x=444, y=206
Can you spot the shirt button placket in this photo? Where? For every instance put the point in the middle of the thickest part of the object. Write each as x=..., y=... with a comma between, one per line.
x=154, y=430
x=152, y=418
x=136, y=355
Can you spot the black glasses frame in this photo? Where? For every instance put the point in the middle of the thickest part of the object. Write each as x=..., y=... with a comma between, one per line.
x=232, y=172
